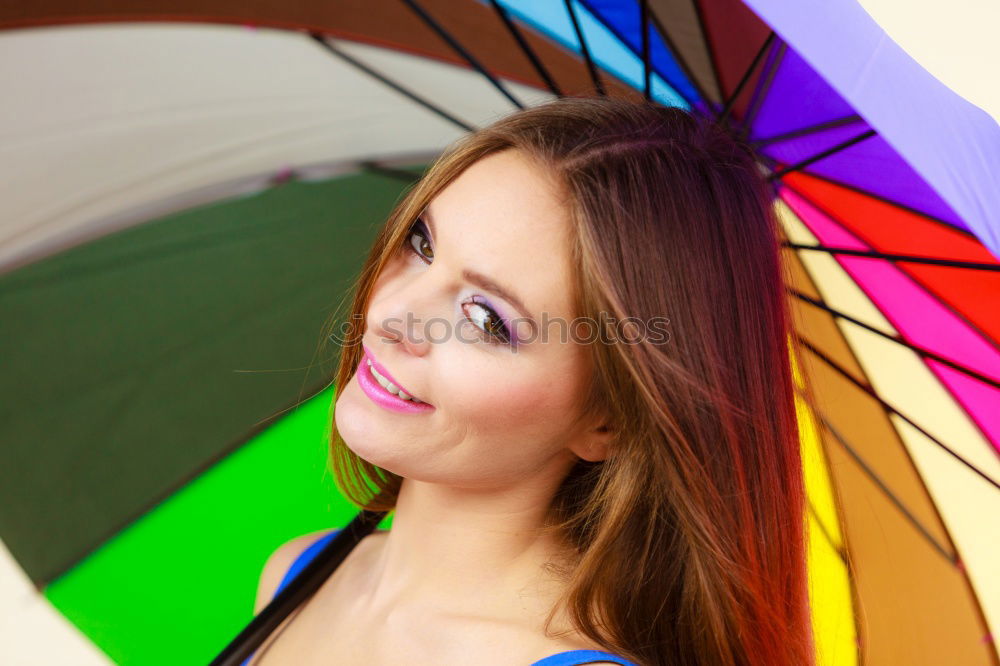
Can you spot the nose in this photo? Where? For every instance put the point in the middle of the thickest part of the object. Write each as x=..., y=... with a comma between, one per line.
x=399, y=311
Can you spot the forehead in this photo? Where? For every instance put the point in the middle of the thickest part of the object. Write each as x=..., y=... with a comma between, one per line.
x=505, y=217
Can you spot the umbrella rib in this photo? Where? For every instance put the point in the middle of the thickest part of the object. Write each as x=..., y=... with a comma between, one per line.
x=587, y=4
x=682, y=63
x=805, y=131
x=918, y=283
x=427, y=104
x=883, y=486
x=826, y=533
x=761, y=91
x=591, y=67
x=703, y=29
x=898, y=340
x=728, y=106
x=461, y=50
x=389, y=172
x=909, y=258
x=878, y=197
x=646, y=68
x=528, y=51
x=867, y=134
x=889, y=408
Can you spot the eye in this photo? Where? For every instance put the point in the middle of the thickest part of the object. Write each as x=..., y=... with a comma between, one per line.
x=491, y=326
x=418, y=240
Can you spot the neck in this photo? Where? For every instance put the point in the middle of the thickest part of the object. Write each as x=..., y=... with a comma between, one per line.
x=465, y=550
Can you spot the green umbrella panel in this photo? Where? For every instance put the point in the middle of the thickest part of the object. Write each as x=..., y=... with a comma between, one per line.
x=140, y=521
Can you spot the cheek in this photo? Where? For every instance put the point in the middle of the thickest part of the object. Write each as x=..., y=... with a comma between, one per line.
x=503, y=402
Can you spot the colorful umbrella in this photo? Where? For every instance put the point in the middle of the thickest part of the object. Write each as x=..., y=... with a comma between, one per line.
x=189, y=188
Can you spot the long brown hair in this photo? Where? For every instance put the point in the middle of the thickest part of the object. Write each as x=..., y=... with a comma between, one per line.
x=689, y=537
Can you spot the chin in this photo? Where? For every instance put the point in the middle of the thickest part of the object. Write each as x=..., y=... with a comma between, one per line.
x=357, y=421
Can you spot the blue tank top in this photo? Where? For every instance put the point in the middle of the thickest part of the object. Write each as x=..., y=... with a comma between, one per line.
x=570, y=658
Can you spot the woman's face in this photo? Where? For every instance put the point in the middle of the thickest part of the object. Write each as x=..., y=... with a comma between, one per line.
x=498, y=397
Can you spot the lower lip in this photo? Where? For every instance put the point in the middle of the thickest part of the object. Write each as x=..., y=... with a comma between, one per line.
x=382, y=397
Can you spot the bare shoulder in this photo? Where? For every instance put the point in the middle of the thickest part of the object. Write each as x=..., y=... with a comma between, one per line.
x=278, y=564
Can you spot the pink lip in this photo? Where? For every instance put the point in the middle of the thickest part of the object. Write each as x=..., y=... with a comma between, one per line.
x=379, y=395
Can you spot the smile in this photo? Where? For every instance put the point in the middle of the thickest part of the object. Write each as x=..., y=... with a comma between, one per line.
x=379, y=386
x=389, y=386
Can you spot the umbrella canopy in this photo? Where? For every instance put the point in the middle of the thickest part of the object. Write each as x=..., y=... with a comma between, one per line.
x=189, y=189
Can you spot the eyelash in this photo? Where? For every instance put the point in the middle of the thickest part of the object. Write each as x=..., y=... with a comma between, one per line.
x=418, y=228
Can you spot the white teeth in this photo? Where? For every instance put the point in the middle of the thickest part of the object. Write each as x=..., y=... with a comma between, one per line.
x=389, y=386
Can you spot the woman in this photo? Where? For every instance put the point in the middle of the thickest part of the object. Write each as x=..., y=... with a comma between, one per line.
x=572, y=386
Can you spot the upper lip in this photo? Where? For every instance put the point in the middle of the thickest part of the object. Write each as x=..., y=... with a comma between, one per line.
x=385, y=373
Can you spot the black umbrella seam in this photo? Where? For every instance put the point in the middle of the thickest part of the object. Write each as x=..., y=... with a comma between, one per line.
x=683, y=63
x=823, y=154
x=585, y=50
x=730, y=101
x=875, y=196
x=526, y=48
x=646, y=69
x=709, y=51
x=897, y=257
x=917, y=283
x=375, y=74
x=806, y=131
x=922, y=351
x=456, y=46
x=892, y=410
x=670, y=46
x=825, y=531
x=951, y=556
x=763, y=87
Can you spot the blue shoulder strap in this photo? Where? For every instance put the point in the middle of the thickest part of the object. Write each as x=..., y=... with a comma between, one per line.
x=304, y=558
x=575, y=657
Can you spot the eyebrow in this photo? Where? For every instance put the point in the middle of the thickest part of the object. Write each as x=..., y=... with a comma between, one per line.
x=483, y=281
